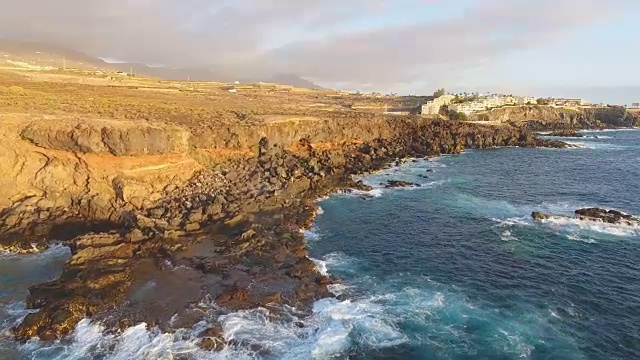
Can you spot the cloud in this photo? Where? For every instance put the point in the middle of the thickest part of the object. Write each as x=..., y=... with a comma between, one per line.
x=400, y=53
x=313, y=38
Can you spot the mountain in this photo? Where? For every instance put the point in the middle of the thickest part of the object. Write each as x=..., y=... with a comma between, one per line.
x=51, y=55
x=295, y=81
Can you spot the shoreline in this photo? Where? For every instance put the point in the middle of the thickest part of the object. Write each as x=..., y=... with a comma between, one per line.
x=292, y=328
x=256, y=237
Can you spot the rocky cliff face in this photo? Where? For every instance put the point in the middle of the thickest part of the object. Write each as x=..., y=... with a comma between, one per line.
x=546, y=118
x=202, y=212
x=118, y=138
x=59, y=170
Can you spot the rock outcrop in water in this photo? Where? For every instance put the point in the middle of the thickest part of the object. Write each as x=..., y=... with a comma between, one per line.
x=566, y=133
x=596, y=214
x=607, y=216
x=148, y=246
x=399, y=184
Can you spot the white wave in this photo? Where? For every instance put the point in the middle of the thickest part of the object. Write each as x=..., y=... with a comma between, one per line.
x=89, y=341
x=506, y=213
x=507, y=236
x=437, y=183
x=576, y=237
x=333, y=328
x=497, y=209
x=445, y=317
x=436, y=164
x=594, y=145
x=337, y=259
x=513, y=221
x=593, y=226
x=422, y=186
x=311, y=234
x=610, y=130
x=338, y=289
x=53, y=251
x=577, y=144
x=321, y=266
x=518, y=343
x=323, y=198
x=374, y=193
x=320, y=210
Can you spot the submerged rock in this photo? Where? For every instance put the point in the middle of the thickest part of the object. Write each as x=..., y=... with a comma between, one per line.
x=540, y=216
x=398, y=184
x=213, y=339
x=566, y=133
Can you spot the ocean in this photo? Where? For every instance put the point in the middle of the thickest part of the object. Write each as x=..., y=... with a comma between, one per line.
x=454, y=269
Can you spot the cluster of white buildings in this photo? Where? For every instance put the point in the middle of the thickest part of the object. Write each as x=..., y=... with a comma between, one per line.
x=490, y=102
x=476, y=105
x=562, y=102
x=432, y=107
x=470, y=105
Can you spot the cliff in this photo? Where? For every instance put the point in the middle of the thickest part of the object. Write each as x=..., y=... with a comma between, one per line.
x=135, y=201
x=546, y=118
x=60, y=170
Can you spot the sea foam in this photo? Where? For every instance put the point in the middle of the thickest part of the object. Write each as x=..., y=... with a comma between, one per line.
x=593, y=226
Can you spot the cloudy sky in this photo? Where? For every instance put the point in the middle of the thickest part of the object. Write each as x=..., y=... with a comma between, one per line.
x=544, y=47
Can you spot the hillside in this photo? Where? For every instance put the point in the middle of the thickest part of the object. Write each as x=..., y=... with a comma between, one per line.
x=45, y=55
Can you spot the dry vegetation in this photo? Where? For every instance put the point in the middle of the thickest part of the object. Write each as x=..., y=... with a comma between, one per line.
x=183, y=103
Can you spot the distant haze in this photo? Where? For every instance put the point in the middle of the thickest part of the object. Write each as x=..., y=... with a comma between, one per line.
x=406, y=46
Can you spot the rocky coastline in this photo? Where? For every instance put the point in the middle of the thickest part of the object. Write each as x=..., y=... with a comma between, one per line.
x=566, y=133
x=230, y=234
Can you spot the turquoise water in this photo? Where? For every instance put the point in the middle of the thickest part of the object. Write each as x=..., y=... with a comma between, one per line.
x=452, y=270
x=459, y=271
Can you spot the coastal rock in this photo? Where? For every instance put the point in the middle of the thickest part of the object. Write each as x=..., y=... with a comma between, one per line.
x=398, y=184
x=607, y=216
x=566, y=133
x=540, y=216
x=597, y=214
x=230, y=227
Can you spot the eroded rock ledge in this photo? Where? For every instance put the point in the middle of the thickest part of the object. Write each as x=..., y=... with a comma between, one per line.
x=230, y=234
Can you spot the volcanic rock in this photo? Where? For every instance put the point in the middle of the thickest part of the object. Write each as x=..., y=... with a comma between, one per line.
x=540, y=216
x=607, y=216
x=566, y=133
x=398, y=184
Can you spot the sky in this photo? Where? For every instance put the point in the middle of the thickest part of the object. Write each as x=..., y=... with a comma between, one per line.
x=587, y=48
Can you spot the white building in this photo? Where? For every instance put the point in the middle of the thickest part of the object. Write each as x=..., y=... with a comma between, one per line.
x=566, y=102
x=432, y=107
x=469, y=107
x=527, y=100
